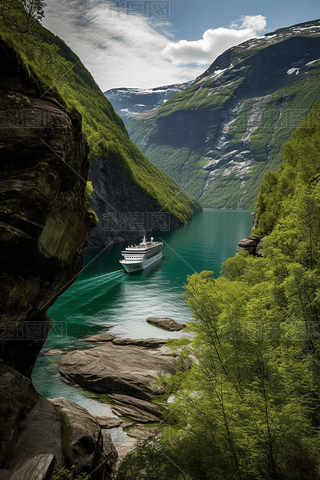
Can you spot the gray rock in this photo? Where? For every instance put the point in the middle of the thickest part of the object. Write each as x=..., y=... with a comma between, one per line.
x=109, y=448
x=134, y=438
x=127, y=197
x=43, y=417
x=108, y=422
x=128, y=446
x=249, y=244
x=142, y=433
x=141, y=342
x=135, y=414
x=38, y=467
x=126, y=424
x=100, y=337
x=136, y=402
x=17, y=397
x=129, y=370
x=93, y=451
x=166, y=323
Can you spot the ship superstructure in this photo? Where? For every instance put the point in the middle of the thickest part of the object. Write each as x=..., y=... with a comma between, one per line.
x=138, y=257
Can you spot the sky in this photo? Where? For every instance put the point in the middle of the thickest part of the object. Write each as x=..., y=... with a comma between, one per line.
x=150, y=43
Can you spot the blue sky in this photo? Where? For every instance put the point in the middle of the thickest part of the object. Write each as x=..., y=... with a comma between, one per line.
x=151, y=43
x=191, y=18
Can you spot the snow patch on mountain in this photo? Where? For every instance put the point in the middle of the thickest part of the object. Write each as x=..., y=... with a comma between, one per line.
x=292, y=70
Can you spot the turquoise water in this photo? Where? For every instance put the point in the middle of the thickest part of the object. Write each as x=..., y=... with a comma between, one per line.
x=105, y=295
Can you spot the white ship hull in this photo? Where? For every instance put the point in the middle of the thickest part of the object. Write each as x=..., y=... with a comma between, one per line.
x=132, y=266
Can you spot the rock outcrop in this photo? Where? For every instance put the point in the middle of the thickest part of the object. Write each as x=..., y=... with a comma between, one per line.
x=251, y=244
x=135, y=438
x=166, y=323
x=44, y=228
x=92, y=448
x=41, y=432
x=125, y=213
x=44, y=222
x=118, y=369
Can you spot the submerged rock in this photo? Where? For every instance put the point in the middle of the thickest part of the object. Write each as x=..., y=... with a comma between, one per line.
x=166, y=323
x=100, y=337
x=141, y=342
x=53, y=351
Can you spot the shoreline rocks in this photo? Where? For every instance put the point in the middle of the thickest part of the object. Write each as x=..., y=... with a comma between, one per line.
x=126, y=370
x=129, y=368
x=166, y=323
x=92, y=447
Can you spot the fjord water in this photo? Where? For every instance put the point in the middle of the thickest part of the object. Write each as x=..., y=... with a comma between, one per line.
x=105, y=295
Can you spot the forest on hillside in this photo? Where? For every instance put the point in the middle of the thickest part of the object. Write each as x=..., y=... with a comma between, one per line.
x=249, y=407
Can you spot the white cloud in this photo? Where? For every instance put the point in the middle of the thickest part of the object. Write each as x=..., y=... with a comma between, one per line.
x=256, y=22
x=119, y=51
x=129, y=51
x=214, y=42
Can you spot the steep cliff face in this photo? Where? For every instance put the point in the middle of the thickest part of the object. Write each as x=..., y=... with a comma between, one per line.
x=222, y=133
x=44, y=228
x=44, y=221
x=125, y=213
x=129, y=101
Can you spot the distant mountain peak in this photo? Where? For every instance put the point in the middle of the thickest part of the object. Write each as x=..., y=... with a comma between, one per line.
x=129, y=101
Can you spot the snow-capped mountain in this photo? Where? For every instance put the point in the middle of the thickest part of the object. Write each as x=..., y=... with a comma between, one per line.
x=217, y=137
x=129, y=101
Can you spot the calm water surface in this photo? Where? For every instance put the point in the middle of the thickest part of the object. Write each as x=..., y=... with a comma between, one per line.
x=105, y=295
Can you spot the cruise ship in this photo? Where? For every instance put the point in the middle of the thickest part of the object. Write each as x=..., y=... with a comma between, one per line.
x=138, y=257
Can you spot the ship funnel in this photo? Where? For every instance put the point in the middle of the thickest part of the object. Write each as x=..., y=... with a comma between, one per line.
x=144, y=239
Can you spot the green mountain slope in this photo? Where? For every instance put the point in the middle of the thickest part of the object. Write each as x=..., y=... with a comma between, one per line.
x=218, y=136
x=55, y=64
x=248, y=408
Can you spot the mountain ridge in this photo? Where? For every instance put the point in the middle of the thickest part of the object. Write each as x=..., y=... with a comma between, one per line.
x=123, y=99
x=218, y=136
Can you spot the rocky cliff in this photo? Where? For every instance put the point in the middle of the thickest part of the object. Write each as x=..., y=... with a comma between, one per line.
x=125, y=212
x=219, y=136
x=129, y=101
x=44, y=228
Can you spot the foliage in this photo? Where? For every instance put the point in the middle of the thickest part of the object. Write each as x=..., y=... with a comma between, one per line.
x=89, y=189
x=66, y=474
x=248, y=407
x=55, y=64
x=299, y=168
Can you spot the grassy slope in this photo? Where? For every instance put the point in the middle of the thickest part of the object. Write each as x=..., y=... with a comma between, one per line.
x=50, y=58
x=185, y=164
